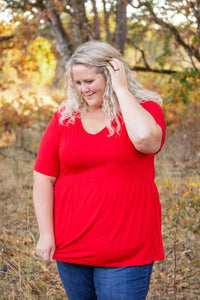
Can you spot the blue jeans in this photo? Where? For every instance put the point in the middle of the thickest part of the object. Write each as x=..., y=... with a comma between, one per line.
x=83, y=282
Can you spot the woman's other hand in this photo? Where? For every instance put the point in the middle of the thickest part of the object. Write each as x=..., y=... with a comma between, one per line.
x=46, y=247
x=118, y=74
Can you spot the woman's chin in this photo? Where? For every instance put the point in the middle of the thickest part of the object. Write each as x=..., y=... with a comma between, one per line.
x=93, y=104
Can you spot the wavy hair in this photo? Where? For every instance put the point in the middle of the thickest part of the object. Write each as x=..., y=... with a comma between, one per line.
x=97, y=55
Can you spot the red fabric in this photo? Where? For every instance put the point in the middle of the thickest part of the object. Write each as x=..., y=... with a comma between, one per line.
x=107, y=210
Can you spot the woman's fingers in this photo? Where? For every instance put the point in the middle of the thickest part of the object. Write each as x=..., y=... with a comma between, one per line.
x=116, y=64
x=118, y=74
x=46, y=248
x=46, y=255
x=51, y=254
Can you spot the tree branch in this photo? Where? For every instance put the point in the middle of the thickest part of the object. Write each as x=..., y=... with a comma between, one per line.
x=24, y=5
x=161, y=71
x=196, y=11
x=143, y=55
x=6, y=38
x=190, y=49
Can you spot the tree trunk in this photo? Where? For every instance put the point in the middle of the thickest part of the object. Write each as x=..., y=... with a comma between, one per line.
x=121, y=25
x=106, y=22
x=96, y=21
x=62, y=41
x=82, y=30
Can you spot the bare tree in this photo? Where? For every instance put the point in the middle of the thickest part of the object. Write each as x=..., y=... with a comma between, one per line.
x=191, y=9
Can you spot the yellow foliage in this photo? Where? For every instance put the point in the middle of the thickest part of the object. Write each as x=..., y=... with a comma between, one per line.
x=7, y=67
x=38, y=63
x=195, y=184
x=7, y=138
x=19, y=113
x=40, y=58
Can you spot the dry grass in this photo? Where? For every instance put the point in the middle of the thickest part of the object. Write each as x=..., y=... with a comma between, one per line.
x=24, y=276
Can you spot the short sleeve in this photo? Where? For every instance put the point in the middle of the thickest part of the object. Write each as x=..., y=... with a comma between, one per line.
x=155, y=110
x=47, y=161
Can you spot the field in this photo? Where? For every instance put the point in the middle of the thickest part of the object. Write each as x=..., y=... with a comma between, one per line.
x=24, y=276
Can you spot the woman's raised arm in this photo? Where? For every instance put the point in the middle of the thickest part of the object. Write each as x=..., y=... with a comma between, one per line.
x=143, y=131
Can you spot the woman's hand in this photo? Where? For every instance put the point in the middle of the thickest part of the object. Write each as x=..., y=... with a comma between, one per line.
x=46, y=247
x=118, y=74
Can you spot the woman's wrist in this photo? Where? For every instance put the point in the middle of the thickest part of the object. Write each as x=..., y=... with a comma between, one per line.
x=124, y=95
x=46, y=232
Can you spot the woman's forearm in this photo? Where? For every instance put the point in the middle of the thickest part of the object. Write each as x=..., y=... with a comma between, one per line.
x=142, y=129
x=43, y=200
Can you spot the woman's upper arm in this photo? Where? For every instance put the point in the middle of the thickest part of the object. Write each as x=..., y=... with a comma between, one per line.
x=47, y=161
x=41, y=179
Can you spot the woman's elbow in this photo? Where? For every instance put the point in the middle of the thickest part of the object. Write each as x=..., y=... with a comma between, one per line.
x=148, y=146
x=149, y=143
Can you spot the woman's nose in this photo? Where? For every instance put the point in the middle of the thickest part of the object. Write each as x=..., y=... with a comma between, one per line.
x=85, y=88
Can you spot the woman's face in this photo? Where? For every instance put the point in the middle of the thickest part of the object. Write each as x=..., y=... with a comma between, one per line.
x=90, y=85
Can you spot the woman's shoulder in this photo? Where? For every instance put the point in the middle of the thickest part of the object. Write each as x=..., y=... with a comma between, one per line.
x=62, y=118
x=152, y=107
x=150, y=104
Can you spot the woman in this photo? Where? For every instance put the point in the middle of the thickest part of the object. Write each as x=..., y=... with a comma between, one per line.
x=94, y=193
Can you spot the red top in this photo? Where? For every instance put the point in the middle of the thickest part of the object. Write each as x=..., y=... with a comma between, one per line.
x=107, y=210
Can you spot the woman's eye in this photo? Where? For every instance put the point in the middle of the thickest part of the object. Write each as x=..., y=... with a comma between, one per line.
x=89, y=81
x=77, y=83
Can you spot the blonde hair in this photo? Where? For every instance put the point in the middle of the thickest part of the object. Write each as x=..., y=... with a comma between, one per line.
x=97, y=54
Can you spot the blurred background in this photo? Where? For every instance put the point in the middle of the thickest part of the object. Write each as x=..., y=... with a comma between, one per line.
x=161, y=42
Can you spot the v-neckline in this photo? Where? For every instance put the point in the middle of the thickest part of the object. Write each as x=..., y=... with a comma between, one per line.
x=90, y=133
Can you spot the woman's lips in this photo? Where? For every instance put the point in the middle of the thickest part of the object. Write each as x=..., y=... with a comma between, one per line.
x=88, y=95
